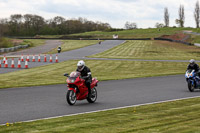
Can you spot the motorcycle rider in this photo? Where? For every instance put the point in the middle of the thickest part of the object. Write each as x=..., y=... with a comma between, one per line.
x=193, y=66
x=85, y=74
x=59, y=49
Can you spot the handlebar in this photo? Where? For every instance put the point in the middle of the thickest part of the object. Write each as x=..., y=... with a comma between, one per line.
x=66, y=75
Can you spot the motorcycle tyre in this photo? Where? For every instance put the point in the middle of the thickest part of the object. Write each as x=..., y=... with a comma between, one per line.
x=91, y=100
x=190, y=87
x=69, y=93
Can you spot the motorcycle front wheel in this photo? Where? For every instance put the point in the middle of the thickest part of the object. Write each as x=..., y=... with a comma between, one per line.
x=93, y=96
x=71, y=97
x=190, y=86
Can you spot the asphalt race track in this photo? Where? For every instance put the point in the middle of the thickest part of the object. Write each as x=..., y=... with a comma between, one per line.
x=64, y=56
x=29, y=103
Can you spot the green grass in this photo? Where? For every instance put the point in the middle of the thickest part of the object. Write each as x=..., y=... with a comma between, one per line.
x=136, y=33
x=171, y=117
x=5, y=43
x=50, y=36
x=196, y=30
x=156, y=50
x=104, y=70
x=34, y=42
x=195, y=39
x=74, y=44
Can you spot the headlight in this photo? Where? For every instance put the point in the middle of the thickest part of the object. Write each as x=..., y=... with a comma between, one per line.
x=73, y=80
x=70, y=81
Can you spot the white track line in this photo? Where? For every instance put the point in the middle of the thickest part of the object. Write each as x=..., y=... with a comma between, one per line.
x=107, y=109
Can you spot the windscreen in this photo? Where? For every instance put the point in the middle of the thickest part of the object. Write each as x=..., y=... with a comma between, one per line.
x=74, y=74
x=189, y=71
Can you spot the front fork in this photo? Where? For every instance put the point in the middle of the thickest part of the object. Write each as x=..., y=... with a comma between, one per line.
x=192, y=82
x=73, y=89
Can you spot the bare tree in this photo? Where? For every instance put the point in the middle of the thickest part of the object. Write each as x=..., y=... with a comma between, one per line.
x=166, y=17
x=197, y=14
x=181, y=16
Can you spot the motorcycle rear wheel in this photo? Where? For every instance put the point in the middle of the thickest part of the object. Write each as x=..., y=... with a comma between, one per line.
x=93, y=96
x=71, y=97
x=190, y=86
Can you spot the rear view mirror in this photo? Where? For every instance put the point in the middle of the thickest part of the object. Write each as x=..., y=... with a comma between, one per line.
x=66, y=75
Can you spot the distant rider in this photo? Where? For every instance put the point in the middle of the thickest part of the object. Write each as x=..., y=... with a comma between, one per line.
x=85, y=74
x=59, y=49
x=193, y=66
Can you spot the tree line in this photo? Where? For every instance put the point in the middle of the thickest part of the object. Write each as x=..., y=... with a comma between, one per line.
x=30, y=25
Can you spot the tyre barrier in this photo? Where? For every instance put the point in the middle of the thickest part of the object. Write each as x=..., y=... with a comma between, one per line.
x=178, y=41
x=12, y=49
x=4, y=63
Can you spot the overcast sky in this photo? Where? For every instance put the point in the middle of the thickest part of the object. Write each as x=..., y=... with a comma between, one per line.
x=115, y=12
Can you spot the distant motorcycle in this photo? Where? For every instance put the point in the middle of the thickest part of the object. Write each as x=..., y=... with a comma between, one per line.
x=77, y=90
x=193, y=81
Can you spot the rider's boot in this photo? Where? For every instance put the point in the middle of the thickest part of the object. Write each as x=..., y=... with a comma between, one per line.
x=89, y=91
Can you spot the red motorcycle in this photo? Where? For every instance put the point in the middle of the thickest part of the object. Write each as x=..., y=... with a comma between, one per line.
x=77, y=90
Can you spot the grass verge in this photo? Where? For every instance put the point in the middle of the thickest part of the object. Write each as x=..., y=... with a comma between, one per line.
x=5, y=43
x=195, y=39
x=74, y=44
x=34, y=42
x=180, y=116
x=135, y=33
x=104, y=70
x=155, y=50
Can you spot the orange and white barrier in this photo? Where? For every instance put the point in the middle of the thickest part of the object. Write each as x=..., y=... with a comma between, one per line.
x=56, y=58
x=50, y=60
x=26, y=64
x=33, y=60
x=12, y=63
x=19, y=64
x=39, y=58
